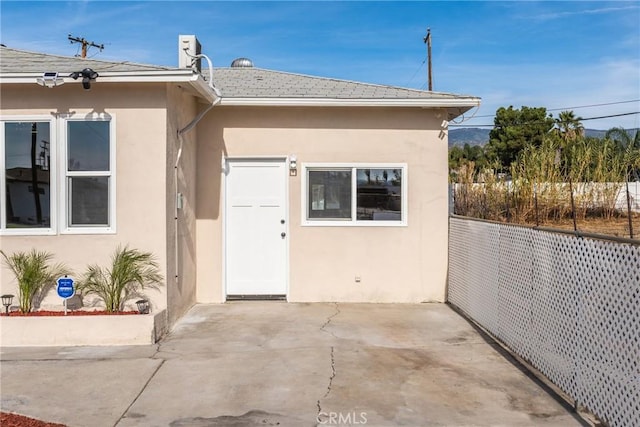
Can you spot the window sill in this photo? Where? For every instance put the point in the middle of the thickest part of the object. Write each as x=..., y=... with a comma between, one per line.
x=88, y=230
x=22, y=232
x=25, y=232
x=354, y=224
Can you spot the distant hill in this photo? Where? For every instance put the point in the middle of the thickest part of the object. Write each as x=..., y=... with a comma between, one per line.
x=595, y=133
x=471, y=136
x=480, y=136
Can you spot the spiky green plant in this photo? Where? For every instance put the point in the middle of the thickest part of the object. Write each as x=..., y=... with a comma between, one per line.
x=131, y=271
x=35, y=275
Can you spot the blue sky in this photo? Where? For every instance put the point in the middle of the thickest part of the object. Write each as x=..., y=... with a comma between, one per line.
x=539, y=54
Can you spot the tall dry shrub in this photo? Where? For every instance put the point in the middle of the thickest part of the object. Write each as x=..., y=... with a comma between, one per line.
x=594, y=168
x=538, y=177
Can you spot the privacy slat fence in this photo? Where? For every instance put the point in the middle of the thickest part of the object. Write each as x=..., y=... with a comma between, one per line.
x=568, y=305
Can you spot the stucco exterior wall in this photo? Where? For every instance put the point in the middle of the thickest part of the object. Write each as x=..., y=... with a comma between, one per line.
x=395, y=264
x=140, y=138
x=182, y=107
x=77, y=330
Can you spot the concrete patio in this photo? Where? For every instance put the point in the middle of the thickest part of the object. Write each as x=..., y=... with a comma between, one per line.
x=276, y=363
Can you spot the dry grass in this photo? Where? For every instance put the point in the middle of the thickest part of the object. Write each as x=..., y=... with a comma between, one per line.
x=618, y=227
x=550, y=183
x=500, y=202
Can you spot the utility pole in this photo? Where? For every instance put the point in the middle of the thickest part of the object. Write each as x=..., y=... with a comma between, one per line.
x=427, y=40
x=85, y=44
x=45, y=158
x=34, y=174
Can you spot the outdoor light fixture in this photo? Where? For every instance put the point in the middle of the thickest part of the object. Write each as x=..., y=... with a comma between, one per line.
x=7, y=300
x=50, y=80
x=293, y=165
x=143, y=306
x=87, y=75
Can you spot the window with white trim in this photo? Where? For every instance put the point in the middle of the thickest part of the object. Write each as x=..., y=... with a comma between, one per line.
x=368, y=194
x=26, y=175
x=57, y=175
x=87, y=173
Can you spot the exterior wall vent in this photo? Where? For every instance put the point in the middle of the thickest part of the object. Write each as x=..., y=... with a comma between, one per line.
x=242, y=63
x=188, y=47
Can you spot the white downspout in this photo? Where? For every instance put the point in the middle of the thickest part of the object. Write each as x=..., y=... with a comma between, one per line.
x=187, y=128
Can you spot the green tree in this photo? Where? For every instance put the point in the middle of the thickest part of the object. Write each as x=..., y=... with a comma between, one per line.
x=455, y=156
x=629, y=147
x=516, y=129
x=569, y=126
x=462, y=156
x=623, y=138
x=476, y=154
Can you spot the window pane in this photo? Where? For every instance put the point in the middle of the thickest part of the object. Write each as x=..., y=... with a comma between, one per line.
x=27, y=157
x=379, y=194
x=88, y=148
x=329, y=195
x=89, y=200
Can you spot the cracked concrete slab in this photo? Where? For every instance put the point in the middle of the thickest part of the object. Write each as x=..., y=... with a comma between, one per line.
x=329, y=385
x=275, y=363
x=85, y=392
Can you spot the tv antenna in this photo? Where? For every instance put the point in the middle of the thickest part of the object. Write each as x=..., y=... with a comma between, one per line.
x=85, y=44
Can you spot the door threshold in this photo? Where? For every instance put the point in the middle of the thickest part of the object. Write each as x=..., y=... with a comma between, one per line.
x=269, y=297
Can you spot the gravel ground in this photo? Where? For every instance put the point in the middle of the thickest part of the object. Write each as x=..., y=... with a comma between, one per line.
x=15, y=420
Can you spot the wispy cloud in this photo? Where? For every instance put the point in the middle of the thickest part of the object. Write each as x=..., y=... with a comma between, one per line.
x=559, y=15
x=557, y=87
x=551, y=54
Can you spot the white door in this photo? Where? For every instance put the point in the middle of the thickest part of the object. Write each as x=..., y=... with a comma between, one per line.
x=256, y=226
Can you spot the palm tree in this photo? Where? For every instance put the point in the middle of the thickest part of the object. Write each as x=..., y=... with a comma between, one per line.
x=623, y=138
x=35, y=276
x=628, y=147
x=569, y=126
x=131, y=272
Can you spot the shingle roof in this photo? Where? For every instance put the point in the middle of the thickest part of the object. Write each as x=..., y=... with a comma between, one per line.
x=21, y=61
x=234, y=83
x=261, y=83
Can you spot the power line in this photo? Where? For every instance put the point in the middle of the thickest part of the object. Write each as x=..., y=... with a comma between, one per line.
x=416, y=73
x=528, y=123
x=84, y=43
x=579, y=106
x=594, y=105
x=612, y=115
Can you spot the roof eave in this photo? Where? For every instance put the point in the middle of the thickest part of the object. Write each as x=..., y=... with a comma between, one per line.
x=170, y=76
x=352, y=102
x=112, y=76
x=455, y=106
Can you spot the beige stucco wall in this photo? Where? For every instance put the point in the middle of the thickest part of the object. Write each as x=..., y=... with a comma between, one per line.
x=141, y=199
x=402, y=264
x=396, y=264
x=182, y=107
x=77, y=330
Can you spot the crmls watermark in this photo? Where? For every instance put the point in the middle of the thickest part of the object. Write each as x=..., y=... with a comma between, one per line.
x=341, y=418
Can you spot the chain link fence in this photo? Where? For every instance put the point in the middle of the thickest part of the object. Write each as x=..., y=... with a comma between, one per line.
x=568, y=305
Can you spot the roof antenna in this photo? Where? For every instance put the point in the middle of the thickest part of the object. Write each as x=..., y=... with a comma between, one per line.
x=85, y=44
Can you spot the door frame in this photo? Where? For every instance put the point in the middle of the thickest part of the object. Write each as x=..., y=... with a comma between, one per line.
x=224, y=199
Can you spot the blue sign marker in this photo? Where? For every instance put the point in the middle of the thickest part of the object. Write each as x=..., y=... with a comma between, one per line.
x=65, y=287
